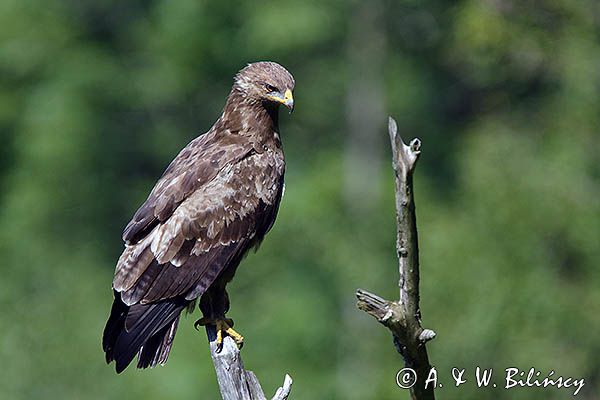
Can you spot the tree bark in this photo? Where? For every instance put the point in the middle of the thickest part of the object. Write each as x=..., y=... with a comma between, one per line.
x=235, y=383
x=403, y=317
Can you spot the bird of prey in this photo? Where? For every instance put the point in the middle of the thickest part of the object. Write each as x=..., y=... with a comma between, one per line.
x=215, y=201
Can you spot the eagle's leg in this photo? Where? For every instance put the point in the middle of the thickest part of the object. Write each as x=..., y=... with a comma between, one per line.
x=223, y=326
x=214, y=303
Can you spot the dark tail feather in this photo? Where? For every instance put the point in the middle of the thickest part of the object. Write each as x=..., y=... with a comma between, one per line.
x=156, y=349
x=147, y=329
x=114, y=326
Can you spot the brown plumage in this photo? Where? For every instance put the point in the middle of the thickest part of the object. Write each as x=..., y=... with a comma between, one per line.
x=216, y=200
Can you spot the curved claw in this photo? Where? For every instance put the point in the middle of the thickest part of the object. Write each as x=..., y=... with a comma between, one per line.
x=223, y=326
x=203, y=322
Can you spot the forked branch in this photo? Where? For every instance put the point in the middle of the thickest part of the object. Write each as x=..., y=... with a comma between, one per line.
x=403, y=317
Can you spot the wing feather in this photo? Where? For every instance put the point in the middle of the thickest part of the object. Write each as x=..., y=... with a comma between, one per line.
x=196, y=165
x=210, y=229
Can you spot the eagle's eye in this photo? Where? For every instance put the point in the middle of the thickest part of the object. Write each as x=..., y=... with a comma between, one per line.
x=271, y=88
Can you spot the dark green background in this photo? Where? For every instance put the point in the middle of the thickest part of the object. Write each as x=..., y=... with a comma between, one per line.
x=96, y=97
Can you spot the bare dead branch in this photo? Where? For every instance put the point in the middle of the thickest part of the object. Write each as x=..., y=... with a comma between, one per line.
x=403, y=317
x=235, y=383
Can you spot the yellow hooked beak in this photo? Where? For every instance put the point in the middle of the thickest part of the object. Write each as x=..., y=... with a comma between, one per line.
x=287, y=99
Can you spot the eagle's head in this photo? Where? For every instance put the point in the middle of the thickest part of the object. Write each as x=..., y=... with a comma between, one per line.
x=266, y=82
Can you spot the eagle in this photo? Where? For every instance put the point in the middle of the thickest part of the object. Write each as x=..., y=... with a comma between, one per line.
x=215, y=201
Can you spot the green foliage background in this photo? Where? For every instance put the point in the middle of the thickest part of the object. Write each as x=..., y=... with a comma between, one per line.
x=96, y=97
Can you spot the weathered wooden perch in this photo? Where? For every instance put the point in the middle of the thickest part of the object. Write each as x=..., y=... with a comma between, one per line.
x=235, y=383
x=403, y=317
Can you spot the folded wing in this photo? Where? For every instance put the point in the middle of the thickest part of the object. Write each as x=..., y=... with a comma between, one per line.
x=207, y=230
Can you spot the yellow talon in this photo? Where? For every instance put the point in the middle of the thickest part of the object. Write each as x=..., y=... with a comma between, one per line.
x=219, y=336
x=239, y=339
x=222, y=325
